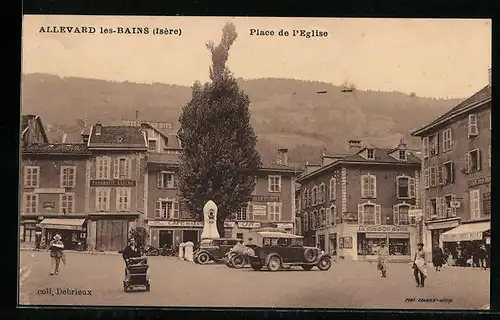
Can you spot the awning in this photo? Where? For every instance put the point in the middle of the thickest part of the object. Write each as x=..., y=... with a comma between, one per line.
x=466, y=232
x=62, y=224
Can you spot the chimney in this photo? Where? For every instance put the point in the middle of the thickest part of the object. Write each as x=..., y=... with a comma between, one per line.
x=402, y=144
x=489, y=77
x=283, y=157
x=354, y=146
x=97, y=129
x=137, y=115
x=64, y=137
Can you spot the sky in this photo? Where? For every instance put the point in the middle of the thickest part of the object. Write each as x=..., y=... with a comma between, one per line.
x=446, y=58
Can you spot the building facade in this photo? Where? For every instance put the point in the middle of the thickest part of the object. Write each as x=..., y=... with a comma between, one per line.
x=116, y=176
x=54, y=189
x=456, y=175
x=353, y=202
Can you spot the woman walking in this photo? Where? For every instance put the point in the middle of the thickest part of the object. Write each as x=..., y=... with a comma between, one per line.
x=437, y=257
x=420, y=266
x=383, y=259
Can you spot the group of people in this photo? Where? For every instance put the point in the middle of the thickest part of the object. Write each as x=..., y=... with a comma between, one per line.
x=463, y=257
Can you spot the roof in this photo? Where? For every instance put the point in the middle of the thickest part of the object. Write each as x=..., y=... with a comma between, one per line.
x=476, y=100
x=25, y=119
x=163, y=158
x=117, y=137
x=272, y=166
x=57, y=149
x=173, y=142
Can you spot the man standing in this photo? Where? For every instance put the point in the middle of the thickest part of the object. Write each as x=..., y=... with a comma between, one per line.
x=481, y=255
x=56, y=253
x=383, y=259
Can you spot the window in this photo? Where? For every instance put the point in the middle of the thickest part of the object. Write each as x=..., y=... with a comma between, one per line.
x=167, y=209
x=67, y=203
x=102, y=199
x=369, y=214
x=473, y=130
x=103, y=168
x=405, y=187
x=433, y=176
x=122, y=168
x=322, y=192
x=31, y=177
x=450, y=212
x=242, y=213
x=30, y=203
x=333, y=189
x=306, y=221
x=370, y=154
x=402, y=155
x=447, y=140
x=448, y=173
x=474, y=204
x=152, y=145
x=426, y=178
x=313, y=195
x=68, y=177
x=239, y=235
x=368, y=186
x=123, y=199
x=312, y=220
x=433, y=145
x=441, y=208
x=274, y=209
x=166, y=180
x=368, y=244
x=400, y=214
x=322, y=217
x=425, y=147
x=274, y=183
x=473, y=161
x=431, y=208
x=333, y=215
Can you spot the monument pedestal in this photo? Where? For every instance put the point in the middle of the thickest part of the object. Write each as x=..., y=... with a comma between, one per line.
x=209, y=221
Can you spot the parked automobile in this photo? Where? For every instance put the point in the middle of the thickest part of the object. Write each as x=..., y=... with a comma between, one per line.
x=214, y=250
x=280, y=250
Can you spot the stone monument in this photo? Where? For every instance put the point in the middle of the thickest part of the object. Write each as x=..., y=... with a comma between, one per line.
x=210, y=221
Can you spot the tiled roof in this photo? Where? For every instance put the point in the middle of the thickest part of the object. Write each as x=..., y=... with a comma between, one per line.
x=173, y=142
x=481, y=95
x=162, y=158
x=270, y=166
x=117, y=137
x=381, y=155
x=57, y=149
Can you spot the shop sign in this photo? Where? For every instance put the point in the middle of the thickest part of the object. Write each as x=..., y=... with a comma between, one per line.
x=468, y=236
x=443, y=225
x=265, y=199
x=284, y=225
x=375, y=235
x=260, y=210
x=229, y=224
x=478, y=181
x=49, y=190
x=112, y=183
x=175, y=223
x=487, y=203
x=382, y=229
x=414, y=213
x=49, y=205
x=248, y=225
x=399, y=236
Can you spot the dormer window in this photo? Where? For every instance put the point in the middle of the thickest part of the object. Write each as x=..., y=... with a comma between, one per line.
x=370, y=154
x=402, y=155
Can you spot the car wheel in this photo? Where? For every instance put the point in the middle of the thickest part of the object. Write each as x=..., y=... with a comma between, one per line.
x=274, y=263
x=307, y=267
x=238, y=261
x=324, y=264
x=310, y=255
x=203, y=258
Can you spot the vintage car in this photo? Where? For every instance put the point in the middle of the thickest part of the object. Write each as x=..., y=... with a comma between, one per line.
x=213, y=250
x=279, y=250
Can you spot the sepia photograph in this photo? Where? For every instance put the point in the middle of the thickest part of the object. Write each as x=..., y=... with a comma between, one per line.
x=255, y=162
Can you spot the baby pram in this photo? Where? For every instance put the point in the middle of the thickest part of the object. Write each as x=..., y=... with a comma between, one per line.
x=136, y=274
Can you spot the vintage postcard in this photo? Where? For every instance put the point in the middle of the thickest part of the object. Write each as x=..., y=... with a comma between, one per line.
x=255, y=162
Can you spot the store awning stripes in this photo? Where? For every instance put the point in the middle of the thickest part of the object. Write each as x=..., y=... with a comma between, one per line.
x=62, y=224
x=466, y=232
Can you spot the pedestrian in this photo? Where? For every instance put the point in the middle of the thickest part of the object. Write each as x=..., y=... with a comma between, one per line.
x=56, y=248
x=383, y=259
x=437, y=257
x=131, y=251
x=420, y=266
x=481, y=255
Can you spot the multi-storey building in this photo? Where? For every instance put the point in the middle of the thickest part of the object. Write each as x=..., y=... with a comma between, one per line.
x=456, y=170
x=54, y=189
x=353, y=202
x=115, y=174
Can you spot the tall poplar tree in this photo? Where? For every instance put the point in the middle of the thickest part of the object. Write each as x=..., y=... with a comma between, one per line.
x=219, y=160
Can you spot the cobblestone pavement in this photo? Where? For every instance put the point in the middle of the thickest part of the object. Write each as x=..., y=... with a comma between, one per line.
x=179, y=283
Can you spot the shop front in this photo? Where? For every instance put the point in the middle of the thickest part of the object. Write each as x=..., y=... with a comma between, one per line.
x=173, y=232
x=73, y=232
x=28, y=233
x=401, y=241
x=434, y=231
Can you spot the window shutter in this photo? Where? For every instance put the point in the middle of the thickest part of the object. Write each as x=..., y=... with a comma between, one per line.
x=119, y=195
x=280, y=207
x=413, y=220
x=159, y=180
x=440, y=177
x=107, y=162
x=328, y=216
x=306, y=221
x=158, y=209
x=443, y=207
x=116, y=168
x=360, y=214
x=467, y=163
x=428, y=209
x=397, y=187
x=128, y=168
x=378, y=215
x=439, y=209
x=395, y=215
x=425, y=143
x=411, y=188
x=373, y=186
x=175, y=178
x=426, y=178
x=479, y=162
x=436, y=144
x=364, y=186
x=62, y=180
x=176, y=209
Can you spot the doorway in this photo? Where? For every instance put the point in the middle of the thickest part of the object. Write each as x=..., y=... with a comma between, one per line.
x=190, y=235
x=165, y=238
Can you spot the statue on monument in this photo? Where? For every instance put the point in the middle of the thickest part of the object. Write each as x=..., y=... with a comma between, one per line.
x=210, y=221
